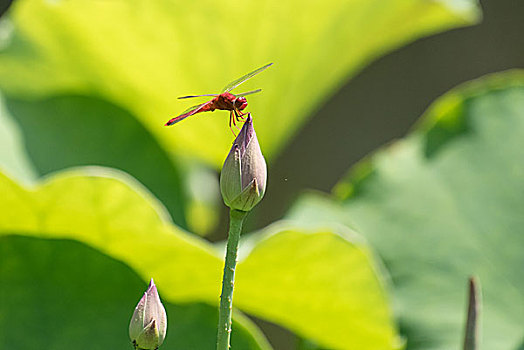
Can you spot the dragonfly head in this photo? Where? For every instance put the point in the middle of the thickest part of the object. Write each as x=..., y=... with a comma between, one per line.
x=240, y=103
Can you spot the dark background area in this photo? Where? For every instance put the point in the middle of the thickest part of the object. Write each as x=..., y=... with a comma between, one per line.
x=4, y=5
x=384, y=101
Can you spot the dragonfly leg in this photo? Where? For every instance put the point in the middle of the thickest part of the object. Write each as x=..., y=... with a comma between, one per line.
x=239, y=116
x=235, y=124
x=232, y=120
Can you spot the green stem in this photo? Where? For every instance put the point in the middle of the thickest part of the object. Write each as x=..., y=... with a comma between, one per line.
x=226, y=298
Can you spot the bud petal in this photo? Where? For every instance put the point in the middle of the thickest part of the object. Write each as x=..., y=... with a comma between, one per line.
x=148, y=338
x=148, y=325
x=244, y=174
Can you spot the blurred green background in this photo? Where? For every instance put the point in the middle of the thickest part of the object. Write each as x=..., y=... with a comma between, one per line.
x=94, y=86
x=386, y=98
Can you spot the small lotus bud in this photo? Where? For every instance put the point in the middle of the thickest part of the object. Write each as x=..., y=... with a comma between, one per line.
x=243, y=176
x=148, y=325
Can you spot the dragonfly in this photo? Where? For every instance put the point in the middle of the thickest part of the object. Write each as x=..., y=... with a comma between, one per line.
x=234, y=103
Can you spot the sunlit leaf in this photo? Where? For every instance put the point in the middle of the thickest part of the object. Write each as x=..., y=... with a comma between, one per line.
x=128, y=225
x=297, y=277
x=443, y=204
x=64, y=131
x=60, y=294
x=323, y=285
x=141, y=55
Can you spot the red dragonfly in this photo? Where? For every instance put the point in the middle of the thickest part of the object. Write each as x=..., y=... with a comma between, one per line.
x=225, y=101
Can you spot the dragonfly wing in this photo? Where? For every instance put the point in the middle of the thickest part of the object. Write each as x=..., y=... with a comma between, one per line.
x=187, y=113
x=239, y=81
x=192, y=96
x=248, y=93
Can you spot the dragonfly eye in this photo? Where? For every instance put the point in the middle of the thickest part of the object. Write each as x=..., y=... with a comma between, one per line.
x=241, y=103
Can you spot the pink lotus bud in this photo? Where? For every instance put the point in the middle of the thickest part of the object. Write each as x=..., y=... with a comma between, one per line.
x=243, y=176
x=148, y=325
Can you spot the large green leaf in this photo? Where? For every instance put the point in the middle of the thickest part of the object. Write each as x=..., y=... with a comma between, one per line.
x=322, y=285
x=445, y=203
x=295, y=277
x=128, y=225
x=13, y=157
x=142, y=54
x=65, y=131
x=60, y=294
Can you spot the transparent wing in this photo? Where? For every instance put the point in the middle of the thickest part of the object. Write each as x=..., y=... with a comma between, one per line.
x=239, y=81
x=187, y=113
x=248, y=93
x=194, y=108
x=191, y=96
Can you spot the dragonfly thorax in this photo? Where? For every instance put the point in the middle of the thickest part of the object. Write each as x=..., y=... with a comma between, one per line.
x=229, y=102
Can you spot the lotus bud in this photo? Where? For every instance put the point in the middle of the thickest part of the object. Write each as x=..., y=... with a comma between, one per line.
x=244, y=174
x=148, y=325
